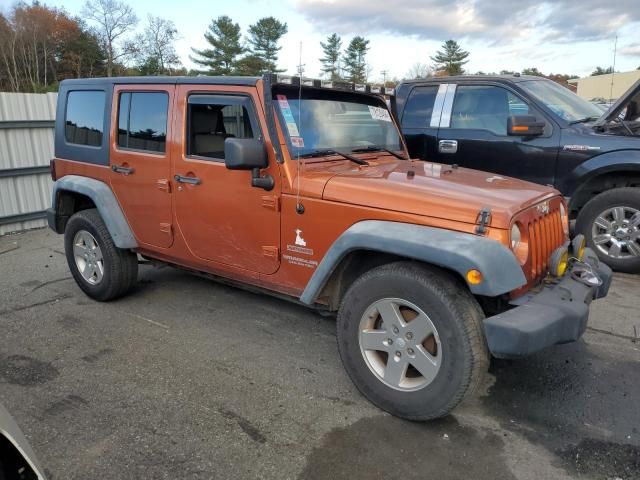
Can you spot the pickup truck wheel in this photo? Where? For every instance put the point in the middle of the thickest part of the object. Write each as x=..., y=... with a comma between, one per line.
x=410, y=338
x=103, y=271
x=611, y=224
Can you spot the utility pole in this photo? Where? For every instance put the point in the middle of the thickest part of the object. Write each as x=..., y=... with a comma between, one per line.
x=384, y=77
x=613, y=70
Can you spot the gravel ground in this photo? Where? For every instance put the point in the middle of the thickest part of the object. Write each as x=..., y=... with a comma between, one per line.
x=187, y=378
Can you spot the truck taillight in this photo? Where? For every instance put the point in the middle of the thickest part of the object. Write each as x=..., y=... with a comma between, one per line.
x=52, y=169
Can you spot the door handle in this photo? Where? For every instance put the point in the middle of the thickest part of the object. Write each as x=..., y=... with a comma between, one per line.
x=122, y=169
x=448, y=146
x=190, y=180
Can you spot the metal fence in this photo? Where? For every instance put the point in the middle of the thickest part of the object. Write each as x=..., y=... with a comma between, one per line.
x=26, y=146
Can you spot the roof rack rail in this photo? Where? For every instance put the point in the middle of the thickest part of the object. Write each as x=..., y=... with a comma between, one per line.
x=278, y=78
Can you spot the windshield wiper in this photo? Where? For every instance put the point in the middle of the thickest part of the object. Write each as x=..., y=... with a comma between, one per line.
x=377, y=148
x=326, y=152
x=583, y=120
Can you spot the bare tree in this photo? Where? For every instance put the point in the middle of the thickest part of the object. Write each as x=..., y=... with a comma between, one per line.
x=157, y=54
x=419, y=70
x=113, y=20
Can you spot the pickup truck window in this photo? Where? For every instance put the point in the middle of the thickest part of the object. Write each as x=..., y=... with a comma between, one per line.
x=84, y=117
x=419, y=107
x=485, y=107
x=334, y=120
x=142, y=121
x=214, y=118
x=560, y=100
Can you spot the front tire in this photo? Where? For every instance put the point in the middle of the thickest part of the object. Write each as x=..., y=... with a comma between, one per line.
x=410, y=338
x=610, y=223
x=103, y=271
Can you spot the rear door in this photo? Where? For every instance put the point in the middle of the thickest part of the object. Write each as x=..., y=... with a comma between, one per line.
x=140, y=162
x=420, y=119
x=220, y=215
x=473, y=134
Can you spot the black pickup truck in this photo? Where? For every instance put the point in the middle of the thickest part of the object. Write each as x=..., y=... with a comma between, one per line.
x=534, y=129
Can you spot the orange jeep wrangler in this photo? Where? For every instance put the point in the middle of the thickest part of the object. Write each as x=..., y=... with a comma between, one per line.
x=304, y=189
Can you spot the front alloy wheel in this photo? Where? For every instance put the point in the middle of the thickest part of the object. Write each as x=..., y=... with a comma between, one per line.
x=616, y=232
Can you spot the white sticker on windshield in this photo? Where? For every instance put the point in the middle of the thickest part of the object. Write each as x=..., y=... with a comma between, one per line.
x=378, y=113
x=293, y=129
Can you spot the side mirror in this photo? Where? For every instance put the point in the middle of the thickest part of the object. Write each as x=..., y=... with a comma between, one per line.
x=244, y=154
x=525, y=126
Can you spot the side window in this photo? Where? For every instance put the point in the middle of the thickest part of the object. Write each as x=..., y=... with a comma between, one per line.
x=517, y=105
x=419, y=107
x=483, y=107
x=213, y=119
x=84, y=117
x=142, y=121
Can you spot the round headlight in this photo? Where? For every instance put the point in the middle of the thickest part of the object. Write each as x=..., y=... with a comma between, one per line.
x=564, y=218
x=519, y=243
x=516, y=236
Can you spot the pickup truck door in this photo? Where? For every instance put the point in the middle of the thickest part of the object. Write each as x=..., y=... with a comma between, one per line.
x=221, y=217
x=473, y=133
x=420, y=119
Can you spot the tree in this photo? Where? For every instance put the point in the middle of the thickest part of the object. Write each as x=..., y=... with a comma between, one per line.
x=601, y=71
x=156, y=47
x=331, y=59
x=532, y=71
x=222, y=58
x=113, y=19
x=264, y=36
x=451, y=58
x=419, y=70
x=355, y=62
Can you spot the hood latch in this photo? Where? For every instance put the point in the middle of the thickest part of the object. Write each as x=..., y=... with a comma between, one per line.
x=484, y=219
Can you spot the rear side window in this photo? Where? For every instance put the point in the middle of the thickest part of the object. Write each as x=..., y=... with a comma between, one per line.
x=84, y=118
x=142, y=121
x=419, y=107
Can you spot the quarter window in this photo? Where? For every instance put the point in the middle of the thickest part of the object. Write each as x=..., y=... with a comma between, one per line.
x=485, y=108
x=213, y=119
x=142, y=121
x=84, y=118
x=419, y=107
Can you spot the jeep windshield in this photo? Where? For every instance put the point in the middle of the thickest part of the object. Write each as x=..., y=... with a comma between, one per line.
x=330, y=120
x=561, y=101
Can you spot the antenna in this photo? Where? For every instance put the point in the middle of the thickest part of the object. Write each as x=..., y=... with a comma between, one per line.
x=299, y=206
x=613, y=70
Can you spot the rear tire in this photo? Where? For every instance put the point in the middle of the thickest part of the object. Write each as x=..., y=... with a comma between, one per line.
x=388, y=356
x=103, y=271
x=610, y=223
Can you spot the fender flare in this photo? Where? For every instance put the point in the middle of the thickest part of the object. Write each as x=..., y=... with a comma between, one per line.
x=452, y=250
x=106, y=203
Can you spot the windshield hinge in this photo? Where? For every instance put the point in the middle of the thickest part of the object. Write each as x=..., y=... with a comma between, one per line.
x=484, y=219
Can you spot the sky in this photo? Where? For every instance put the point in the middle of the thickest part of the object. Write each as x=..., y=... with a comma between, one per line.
x=559, y=36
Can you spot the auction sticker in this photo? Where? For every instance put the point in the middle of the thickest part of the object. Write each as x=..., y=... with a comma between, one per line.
x=297, y=142
x=378, y=113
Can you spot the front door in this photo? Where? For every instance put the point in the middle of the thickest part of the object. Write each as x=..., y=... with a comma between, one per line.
x=140, y=161
x=473, y=134
x=220, y=215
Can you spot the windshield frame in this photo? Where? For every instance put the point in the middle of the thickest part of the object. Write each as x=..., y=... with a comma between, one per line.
x=348, y=96
x=591, y=111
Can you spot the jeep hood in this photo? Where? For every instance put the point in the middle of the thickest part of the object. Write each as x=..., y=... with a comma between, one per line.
x=631, y=95
x=435, y=190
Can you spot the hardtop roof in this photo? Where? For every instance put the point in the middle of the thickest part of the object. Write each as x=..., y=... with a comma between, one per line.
x=164, y=80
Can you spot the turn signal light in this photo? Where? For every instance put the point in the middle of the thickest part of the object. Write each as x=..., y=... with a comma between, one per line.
x=559, y=261
x=474, y=277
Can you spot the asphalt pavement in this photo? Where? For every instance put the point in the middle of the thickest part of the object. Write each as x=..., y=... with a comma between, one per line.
x=187, y=378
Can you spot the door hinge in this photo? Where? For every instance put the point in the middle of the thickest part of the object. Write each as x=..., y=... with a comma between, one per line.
x=164, y=184
x=166, y=228
x=271, y=202
x=271, y=252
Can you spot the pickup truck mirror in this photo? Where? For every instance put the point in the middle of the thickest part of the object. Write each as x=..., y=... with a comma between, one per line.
x=525, y=126
x=244, y=154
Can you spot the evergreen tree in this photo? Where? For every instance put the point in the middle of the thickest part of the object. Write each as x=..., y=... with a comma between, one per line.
x=532, y=71
x=451, y=58
x=331, y=59
x=355, y=60
x=263, y=40
x=601, y=71
x=222, y=58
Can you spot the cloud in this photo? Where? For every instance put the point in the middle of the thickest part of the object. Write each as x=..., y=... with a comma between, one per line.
x=494, y=21
x=631, y=50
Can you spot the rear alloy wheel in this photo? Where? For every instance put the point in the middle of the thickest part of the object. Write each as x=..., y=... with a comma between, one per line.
x=611, y=224
x=88, y=257
x=410, y=337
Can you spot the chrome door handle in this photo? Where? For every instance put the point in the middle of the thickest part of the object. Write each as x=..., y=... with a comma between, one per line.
x=190, y=180
x=448, y=146
x=123, y=170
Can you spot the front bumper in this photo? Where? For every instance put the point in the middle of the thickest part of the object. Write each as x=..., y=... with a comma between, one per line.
x=556, y=314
